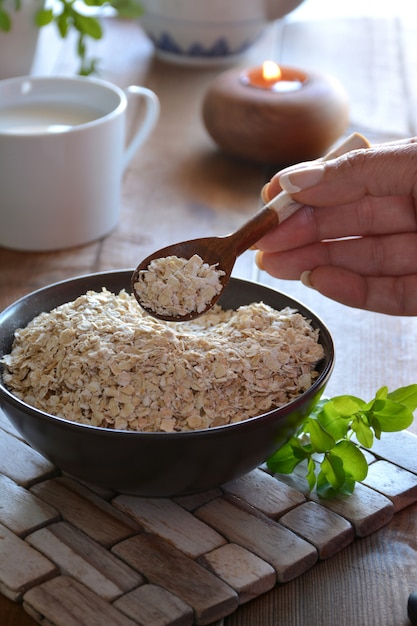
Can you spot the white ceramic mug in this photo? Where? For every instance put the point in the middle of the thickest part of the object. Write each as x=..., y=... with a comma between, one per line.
x=63, y=151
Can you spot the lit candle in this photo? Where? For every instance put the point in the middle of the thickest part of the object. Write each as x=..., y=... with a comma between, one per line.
x=275, y=114
x=271, y=76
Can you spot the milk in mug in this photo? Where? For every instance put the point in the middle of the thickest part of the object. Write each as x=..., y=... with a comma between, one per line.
x=36, y=118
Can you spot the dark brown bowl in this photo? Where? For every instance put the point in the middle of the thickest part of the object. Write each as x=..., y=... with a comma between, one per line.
x=156, y=464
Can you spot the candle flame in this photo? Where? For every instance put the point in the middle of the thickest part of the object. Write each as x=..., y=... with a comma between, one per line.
x=271, y=71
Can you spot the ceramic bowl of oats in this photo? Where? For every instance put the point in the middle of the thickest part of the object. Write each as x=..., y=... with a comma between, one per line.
x=118, y=399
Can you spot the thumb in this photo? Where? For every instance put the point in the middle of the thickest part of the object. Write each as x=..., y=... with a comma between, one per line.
x=387, y=170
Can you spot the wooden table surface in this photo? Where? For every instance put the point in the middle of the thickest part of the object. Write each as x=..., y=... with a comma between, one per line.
x=181, y=186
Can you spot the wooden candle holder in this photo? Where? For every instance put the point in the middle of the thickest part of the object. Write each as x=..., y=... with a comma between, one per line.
x=280, y=127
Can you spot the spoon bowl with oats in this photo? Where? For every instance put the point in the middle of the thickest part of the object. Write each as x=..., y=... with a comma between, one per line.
x=184, y=280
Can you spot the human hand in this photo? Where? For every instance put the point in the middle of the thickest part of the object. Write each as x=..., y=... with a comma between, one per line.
x=355, y=237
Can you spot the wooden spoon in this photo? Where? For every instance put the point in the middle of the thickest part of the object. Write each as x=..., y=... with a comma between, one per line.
x=223, y=251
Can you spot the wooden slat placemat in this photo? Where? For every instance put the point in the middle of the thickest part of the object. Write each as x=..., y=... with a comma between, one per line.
x=79, y=556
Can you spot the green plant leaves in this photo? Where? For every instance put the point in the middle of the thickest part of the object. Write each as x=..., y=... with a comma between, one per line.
x=127, y=8
x=5, y=21
x=68, y=15
x=335, y=462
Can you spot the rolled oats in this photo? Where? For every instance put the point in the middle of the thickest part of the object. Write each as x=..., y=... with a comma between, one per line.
x=101, y=360
x=175, y=286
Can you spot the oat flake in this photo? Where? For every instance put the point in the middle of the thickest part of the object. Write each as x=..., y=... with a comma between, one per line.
x=176, y=287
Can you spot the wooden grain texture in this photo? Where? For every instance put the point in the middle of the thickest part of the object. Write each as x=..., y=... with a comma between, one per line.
x=288, y=554
x=326, y=530
x=21, y=511
x=86, y=511
x=28, y=466
x=398, y=448
x=151, y=604
x=85, y=560
x=245, y=572
x=170, y=521
x=165, y=565
x=266, y=494
x=394, y=482
x=64, y=601
x=21, y=567
x=373, y=52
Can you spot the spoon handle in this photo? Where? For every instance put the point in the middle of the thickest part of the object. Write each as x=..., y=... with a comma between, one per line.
x=282, y=206
x=285, y=206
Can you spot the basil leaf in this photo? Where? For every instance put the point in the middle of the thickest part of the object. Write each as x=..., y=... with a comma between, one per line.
x=354, y=461
x=363, y=431
x=320, y=439
x=391, y=416
x=334, y=422
x=286, y=458
x=406, y=396
x=332, y=468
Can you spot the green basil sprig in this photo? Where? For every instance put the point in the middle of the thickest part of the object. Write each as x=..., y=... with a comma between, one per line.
x=330, y=439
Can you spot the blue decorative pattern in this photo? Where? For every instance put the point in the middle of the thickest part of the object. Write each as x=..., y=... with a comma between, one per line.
x=220, y=48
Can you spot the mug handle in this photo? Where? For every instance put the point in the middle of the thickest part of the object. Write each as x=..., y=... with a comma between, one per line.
x=146, y=127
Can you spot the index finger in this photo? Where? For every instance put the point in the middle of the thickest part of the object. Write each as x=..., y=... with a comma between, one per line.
x=387, y=170
x=368, y=216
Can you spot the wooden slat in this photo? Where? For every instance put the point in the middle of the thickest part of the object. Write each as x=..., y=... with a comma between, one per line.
x=151, y=604
x=399, y=448
x=164, y=565
x=170, y=521
x=21, y=511
x=27, y=465
x=249, y=575
x=86, y=511
x=265, y=493
x=64, y=601
x=326, y=530
x=85, y=560
x=21, y=567
x=393, y=482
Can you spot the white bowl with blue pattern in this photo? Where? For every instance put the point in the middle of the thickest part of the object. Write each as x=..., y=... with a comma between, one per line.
x=208, y=32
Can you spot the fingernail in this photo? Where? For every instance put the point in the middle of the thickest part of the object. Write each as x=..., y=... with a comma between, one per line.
x=264, y=193
x=297, y=180
x=305, y=279
x=258, y=259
